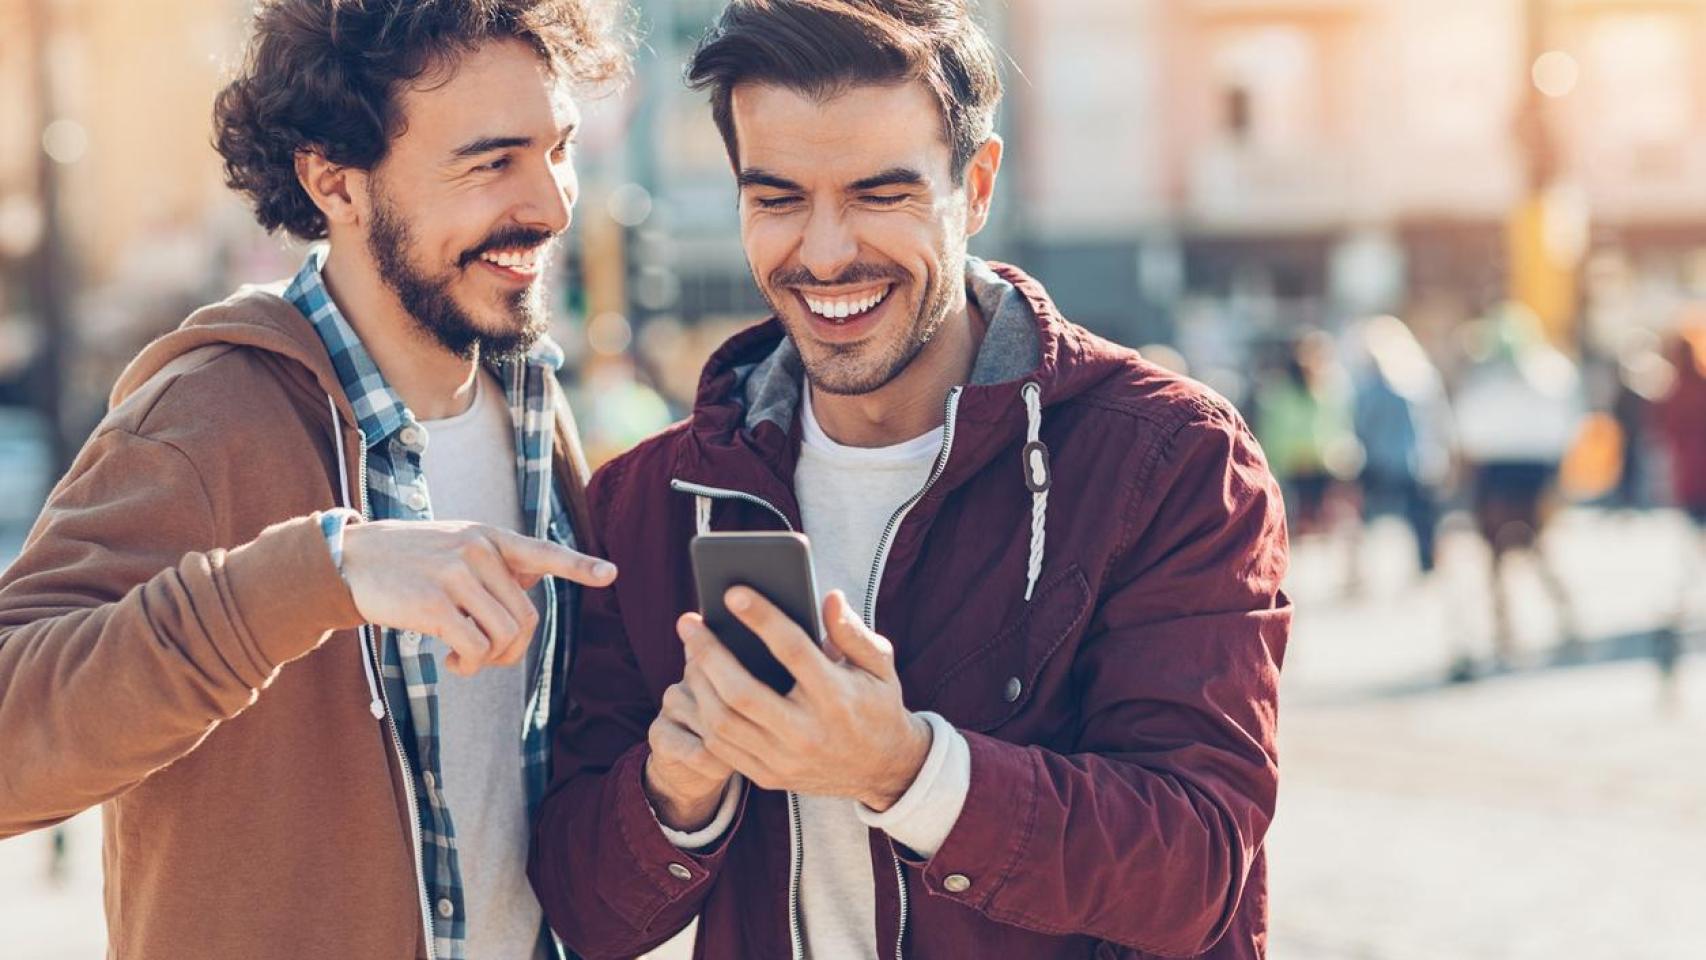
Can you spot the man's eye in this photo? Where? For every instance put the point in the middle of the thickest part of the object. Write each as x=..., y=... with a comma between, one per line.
x=561, y=150
x=884, y=199
x=776, y=203
x=498, y=164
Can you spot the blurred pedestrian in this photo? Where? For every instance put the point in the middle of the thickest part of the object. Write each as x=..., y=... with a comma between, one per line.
x=1404, y=423
x=1519, y=408
x=1642, y=377
x=1681, y=419
x=1303, y=417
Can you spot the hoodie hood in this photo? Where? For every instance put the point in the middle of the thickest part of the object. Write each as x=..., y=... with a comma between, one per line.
x=256, y=318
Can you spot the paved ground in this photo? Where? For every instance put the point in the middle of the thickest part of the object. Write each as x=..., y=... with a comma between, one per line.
x=1552, y=811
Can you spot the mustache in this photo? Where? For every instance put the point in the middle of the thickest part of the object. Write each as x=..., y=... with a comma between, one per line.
x=507, y=238
x=854, y=274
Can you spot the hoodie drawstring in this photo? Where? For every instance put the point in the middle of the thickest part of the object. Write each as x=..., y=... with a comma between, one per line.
x=702, y=514
x=1038, y=479
x=376, y=705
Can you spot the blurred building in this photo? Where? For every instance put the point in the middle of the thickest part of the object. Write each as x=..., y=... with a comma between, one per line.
x=1315, y=157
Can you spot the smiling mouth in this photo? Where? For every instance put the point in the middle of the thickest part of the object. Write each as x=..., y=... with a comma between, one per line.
x=521, y=261
x=848, y=307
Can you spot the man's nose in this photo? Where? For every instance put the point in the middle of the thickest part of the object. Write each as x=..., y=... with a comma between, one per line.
x=551, y=199
x=828, y=247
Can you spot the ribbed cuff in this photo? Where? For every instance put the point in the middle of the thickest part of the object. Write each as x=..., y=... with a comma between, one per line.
x=926, y=813
x=713, y=831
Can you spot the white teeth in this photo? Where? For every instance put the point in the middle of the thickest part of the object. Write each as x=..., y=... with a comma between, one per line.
x=842, y=309
x=524, y=260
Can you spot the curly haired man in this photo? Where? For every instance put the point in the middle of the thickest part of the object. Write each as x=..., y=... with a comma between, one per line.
x=294, y=618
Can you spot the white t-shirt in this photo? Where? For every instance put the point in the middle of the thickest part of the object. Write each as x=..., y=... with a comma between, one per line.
x=469, y=464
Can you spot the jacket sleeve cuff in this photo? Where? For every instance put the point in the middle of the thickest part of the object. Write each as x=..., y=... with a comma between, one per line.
x=925, y=814
x=285, y=593
x=995, y=825
x=671, y=874
x=709, y=834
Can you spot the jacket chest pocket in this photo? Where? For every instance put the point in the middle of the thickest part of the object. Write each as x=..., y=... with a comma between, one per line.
x=993, y=682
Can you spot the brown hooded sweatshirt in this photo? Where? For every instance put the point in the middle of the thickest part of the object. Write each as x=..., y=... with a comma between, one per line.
x=177, y=646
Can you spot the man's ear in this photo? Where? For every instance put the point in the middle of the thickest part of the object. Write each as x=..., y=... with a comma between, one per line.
x=341, y=193
x=981, y=172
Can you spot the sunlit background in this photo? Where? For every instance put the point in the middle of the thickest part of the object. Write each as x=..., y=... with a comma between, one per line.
x=1234, y=186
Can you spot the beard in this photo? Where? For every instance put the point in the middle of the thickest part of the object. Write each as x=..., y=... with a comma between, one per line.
x=429, y=301
x=855, y=369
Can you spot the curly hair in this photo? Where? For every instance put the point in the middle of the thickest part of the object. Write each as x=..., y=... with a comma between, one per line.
x=325, y=75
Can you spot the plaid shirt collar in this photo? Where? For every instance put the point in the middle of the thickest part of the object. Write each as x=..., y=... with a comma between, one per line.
x=395, y=489
x=379, y=411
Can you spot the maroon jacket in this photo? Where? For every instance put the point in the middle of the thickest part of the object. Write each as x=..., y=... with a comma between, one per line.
x=1122, y=722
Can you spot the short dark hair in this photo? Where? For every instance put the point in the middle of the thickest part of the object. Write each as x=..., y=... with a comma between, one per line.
x=325, y=75
x=821, y=47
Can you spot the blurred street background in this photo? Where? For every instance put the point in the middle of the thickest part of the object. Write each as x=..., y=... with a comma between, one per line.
x=1448, y=256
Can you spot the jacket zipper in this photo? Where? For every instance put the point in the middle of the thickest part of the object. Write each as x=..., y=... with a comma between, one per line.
x=796, y=835
x=871, y=588
x=795, y=934
x=397, y=745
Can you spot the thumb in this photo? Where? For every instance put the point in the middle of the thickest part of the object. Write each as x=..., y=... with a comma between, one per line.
x=861, y=646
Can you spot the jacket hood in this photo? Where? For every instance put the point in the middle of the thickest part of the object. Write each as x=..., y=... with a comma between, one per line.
x=256, y=318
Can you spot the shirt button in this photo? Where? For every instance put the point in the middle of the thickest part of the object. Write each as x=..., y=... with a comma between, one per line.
x=410, y=437
x=680, y=872
x=417, y=500
x=956, y=883
x=446, y=909
x=410, y=641
x=1014, y=687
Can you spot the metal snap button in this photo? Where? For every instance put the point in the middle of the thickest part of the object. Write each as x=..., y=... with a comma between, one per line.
x=956, y=883
x=1014, y=687
x=680, y=872
x=446, y=909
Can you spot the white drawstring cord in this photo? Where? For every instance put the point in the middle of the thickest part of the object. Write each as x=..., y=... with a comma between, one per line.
x=1038, y=479
x=376, y=705
x=702, y=514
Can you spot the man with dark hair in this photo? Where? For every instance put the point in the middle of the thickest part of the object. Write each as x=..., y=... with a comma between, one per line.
x=1043, y=721
x=314, y=702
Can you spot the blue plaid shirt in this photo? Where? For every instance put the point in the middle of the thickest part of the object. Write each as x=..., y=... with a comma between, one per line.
x=396, y=490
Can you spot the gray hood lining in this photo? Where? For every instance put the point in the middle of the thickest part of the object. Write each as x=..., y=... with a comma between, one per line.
x=1012, y=348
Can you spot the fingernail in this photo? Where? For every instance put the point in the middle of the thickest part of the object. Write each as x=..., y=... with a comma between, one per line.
x=738, y=600
x=604, y=569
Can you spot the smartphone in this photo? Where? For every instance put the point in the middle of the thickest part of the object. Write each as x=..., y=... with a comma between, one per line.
x=779, y=567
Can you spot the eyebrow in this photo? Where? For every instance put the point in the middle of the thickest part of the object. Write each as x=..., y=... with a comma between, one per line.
x=894, y=176
x=755, y=177
x=474, y=148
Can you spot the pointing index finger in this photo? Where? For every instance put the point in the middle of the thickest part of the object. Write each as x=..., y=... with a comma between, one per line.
x=530, y=557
